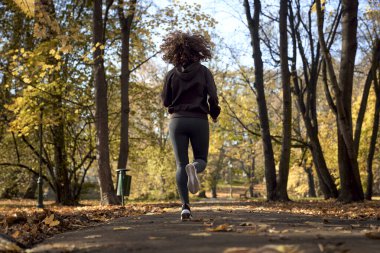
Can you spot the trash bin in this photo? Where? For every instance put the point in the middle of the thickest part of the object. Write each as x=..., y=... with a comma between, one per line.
x=123, y=184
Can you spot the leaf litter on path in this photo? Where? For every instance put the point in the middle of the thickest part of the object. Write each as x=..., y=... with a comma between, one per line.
x=282, y=248
x=29, y=225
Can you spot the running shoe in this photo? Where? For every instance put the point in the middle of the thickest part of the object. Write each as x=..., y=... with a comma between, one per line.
x=192, y=178
x=185, y=213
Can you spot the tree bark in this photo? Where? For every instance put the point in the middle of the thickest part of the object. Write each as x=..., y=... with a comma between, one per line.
x=215, y=175
x=269, y=163
x=363, y=105
x=310, y=181
x=62, y=182
x=351, y=188
x=375, y=130
x=371, y=152
x=202, y=194
x=30, y=192
x=213, y=192
x=308, y=111
x=281, y=190
x=362, y=109
x=126, y=26
x=107, y=191
x=251, y=176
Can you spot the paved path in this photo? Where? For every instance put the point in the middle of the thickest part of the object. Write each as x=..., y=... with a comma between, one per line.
x=242, y=228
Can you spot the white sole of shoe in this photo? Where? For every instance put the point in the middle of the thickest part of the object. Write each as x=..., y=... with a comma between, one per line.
x=185, y=215
x=193, y=181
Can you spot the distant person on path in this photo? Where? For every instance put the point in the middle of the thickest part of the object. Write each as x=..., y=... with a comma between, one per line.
x=189, y=93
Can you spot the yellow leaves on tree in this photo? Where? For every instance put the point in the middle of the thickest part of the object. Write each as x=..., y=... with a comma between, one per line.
x=314, y=6
x=26, y=6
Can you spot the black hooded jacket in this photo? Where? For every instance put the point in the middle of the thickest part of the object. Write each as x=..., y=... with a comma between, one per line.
x=190, y=92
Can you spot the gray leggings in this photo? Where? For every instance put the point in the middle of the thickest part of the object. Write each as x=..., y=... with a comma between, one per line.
x=181, y=131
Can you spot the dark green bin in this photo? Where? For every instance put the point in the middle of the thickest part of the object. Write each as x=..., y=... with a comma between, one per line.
x=123, y=184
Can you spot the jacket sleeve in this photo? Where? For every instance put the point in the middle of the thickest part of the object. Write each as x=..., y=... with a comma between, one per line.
x=212, y=95
x=166, y=94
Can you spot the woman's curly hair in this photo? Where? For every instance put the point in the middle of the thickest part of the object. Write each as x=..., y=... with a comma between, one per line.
x=181, y=48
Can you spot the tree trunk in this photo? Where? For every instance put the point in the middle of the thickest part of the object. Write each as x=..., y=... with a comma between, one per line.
x=362, y=109
x=351, y=188
x=30, y=192
x=326, y=181
x=371, y=76
x=213, y=192
x=282, y=193
x=202, y=194
x=251, y=176
x=107, y=191
x=62, y=182
x=215, y=175
x=375, y=130
x=371, y=151
x=310, y=181
x=308, y=111
x=126, y=25
x=269, y=163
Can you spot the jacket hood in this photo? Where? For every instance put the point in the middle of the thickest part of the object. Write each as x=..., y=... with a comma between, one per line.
x=189, y=72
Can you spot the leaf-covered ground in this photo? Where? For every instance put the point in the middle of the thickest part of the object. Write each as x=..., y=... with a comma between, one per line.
x=29, y=225
x=230, y=227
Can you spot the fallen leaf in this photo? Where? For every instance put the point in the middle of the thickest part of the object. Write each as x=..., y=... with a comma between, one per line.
x=156, y=238
x=16, y=234
x=311, y=223
x=92, y=236
x=200, y=234
x=221, y=228
x=281, y=249
x=266, y=249
x=236, y=250
x=246, y=224
x=54, y=223
x=121, y=228
x=262, y=227
x=34, y=230
x=50, y=221
x=333, y=248
x=274, y=231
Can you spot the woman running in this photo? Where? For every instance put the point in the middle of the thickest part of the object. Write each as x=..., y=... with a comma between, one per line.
x=190, y=94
